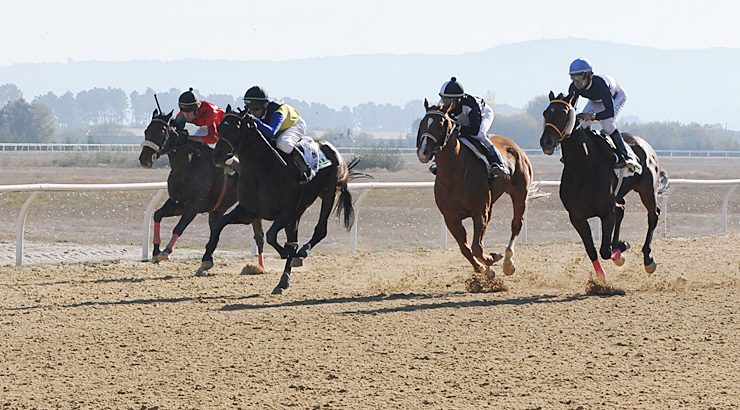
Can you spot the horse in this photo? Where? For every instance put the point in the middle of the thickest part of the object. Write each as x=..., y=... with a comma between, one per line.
x=462, y=189
x=195, y=185
x=590, y=188
x=268, y=189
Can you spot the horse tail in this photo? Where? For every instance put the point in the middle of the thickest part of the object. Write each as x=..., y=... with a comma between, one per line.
x=356, y=174
x=346, y=207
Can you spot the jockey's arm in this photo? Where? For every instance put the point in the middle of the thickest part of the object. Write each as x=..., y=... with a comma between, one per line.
x=474, y=121
x=269, y=130
x=572, y=90
x=606, y=99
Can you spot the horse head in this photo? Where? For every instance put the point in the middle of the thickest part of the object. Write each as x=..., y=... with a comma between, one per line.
x=230, y=139
x=155, y=136
x=435, y=129
x=560, y=120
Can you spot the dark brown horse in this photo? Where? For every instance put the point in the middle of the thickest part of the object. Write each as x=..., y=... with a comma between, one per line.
x=195, y=185
x=462, y=189
x=588, y=186
x=268, y=189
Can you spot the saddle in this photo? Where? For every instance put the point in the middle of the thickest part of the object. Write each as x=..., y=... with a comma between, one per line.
x=607, y=146
x=312, y=154
x=478, y=150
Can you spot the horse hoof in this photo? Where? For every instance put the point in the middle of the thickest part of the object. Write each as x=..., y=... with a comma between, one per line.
x=159, y=258
x=619, y=261
x=496, y=257
x=278, y=290
x=650, y=268
x=203, y=269
x=296, y=262
x=509, y=267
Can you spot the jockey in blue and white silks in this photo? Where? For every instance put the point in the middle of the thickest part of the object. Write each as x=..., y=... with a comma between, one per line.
x=475, y=118
x=606, y=100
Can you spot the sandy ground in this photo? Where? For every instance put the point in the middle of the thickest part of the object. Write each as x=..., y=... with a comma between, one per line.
x=382, y=329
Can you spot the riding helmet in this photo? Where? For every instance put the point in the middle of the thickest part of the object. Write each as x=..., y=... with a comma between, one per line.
x=580, y=65
x=188, y=102
x=451, y=89
x=255, y=96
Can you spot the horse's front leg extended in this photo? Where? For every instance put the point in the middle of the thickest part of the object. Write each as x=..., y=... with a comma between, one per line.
x=237, y=214
x=169, y=208
x=480, y=224
x=457, y=230
x=584, y=231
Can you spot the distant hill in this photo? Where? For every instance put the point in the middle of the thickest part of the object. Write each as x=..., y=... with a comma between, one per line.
x=682, y=85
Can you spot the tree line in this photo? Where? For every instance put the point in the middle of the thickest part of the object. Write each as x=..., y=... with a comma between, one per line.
x=101, y=111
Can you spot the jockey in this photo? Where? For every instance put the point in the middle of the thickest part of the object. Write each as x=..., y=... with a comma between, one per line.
x=281, y=124
x=606, y=100
x=475, y=118
x=199, y=112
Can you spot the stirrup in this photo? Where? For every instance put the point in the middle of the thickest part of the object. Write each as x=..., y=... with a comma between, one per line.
x=497, y=170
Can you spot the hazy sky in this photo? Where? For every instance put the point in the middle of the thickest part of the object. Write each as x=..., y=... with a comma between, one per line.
x=46, y=30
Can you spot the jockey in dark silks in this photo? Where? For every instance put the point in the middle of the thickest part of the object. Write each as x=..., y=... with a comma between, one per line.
x=281, y=124
x=606, y=100
x=475, y=118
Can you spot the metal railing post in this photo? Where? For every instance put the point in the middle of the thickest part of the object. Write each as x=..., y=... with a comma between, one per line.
x=725, y=205
x=146, y=231
x=20, y=227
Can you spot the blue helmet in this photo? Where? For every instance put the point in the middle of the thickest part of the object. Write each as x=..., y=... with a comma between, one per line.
x=580, y=65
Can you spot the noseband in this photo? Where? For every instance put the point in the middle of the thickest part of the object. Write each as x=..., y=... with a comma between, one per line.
x=450, y=130
x=153, y=145
x=568, y=129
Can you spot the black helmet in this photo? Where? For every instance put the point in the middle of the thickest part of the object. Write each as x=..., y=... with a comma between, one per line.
x=188, y=102
x=451, y=89
x=255, y=96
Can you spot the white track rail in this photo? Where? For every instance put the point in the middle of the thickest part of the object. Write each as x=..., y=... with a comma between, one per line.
x=161, y=188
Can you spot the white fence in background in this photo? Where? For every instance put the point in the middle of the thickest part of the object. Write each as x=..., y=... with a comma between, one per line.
x=161, y=188
x=39, y=147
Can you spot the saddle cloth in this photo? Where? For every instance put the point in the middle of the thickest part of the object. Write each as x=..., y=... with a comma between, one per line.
x=477, y=149
x=633, y=163
x=315, y=158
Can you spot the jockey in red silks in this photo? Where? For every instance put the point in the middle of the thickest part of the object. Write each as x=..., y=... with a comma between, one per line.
x=201, y=113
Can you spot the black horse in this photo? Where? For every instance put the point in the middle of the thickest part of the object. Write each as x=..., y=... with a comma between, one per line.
x=268, y=189
x=590, y=188
x=195, y=185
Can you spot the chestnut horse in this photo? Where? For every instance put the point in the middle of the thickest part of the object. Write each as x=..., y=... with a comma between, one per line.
x=590, y=188
x=462, y=189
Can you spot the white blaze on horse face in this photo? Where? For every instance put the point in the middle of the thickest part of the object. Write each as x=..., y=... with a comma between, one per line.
x=421, y=152
x=430, y=121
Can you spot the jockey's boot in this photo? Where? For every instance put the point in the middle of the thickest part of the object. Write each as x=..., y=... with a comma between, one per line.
x=498, y=168
x=304, y=172
x=433, y=168
x=621, y=149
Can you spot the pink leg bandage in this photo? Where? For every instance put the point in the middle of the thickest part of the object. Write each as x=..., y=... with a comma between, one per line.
x=157, y=239
x=173, y=241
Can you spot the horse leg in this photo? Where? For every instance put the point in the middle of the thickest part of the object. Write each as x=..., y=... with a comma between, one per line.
x=617, y=245
x=291, y=236
x=650, y=202
x=457, y=230
x=168, y=209
x=237, y=214
x=185, y=220
x=584, y=231
x=277, y=225
x=519, y=203
x=607, y=228
x=259, y=239
x=480, y=224
x=319, y=231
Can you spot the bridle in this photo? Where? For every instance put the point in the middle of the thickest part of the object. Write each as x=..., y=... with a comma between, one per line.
x=153, y=145
x=239, y=119
x=427, y=135
x=568, y=129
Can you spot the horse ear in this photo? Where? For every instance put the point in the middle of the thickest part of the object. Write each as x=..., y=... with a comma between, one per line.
x=551, y=96
x=155, y=113
x=571, y=96
x=426, y=105
x=228, y=108
x=170, y=115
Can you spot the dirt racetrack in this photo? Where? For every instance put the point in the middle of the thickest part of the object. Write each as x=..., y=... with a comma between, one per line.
x=381, y=329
